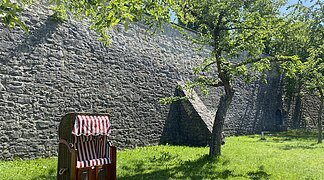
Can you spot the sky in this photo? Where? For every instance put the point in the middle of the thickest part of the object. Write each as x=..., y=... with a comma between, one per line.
x=283, y=10
x=291, y=2
x=295, y=1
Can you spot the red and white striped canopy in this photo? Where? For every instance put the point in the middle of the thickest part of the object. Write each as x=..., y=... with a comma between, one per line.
x=91, y=125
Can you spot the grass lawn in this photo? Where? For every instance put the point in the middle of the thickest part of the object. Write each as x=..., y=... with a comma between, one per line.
x=286, y=156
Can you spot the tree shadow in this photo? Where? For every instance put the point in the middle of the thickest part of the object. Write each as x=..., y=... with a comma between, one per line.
x=259, y=174
x=33, y=39
x=201, y=168
x=305, y=147
x=294, y=135
x=51, y=175
x=268, y=102
x=256, y=175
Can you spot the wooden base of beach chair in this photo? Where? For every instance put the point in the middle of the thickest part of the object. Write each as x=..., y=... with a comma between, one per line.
x=96, y=173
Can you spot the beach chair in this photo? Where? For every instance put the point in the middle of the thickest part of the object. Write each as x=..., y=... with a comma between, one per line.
x=85, y=152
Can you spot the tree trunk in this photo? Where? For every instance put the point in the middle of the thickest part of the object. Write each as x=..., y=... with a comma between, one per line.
x=319, y=122
x=216, y=141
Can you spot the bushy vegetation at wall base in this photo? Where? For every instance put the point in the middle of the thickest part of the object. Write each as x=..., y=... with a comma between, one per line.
x=286, y=156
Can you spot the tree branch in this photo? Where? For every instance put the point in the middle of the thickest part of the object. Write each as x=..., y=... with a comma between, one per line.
x=219, y=84
x=208, y=65
x=212, y=84
x=251, y=61
x=246, y=39
x=233, y=28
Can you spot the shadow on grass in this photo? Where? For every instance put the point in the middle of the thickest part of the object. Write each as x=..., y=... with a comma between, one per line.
x=305, y=147
x=290, y=135
x=294, y=135
x=51, y=175
x=202, y=168
x=259, y=174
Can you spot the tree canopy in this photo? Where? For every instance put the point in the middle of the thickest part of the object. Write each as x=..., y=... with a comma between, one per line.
x=243, y=35
x=102, y=15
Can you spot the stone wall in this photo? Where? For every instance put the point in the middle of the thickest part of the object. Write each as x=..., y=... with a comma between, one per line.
x=254, y=108
x=61, y=67
x=300, y=110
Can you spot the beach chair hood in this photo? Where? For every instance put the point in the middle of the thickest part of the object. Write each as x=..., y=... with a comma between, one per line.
x=91, y=125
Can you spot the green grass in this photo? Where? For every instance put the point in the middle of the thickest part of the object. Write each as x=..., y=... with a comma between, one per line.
x=28, y=169
x=281, y=156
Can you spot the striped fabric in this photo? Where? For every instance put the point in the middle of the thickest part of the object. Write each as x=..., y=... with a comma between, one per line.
x=91, y=151
x=91, y=125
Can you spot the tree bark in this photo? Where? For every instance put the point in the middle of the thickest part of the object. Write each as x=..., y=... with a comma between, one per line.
x=226, y=99
x=319, y=122
x=216, y=140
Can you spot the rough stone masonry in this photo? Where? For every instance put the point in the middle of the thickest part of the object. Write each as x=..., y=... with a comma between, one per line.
x=61, y=67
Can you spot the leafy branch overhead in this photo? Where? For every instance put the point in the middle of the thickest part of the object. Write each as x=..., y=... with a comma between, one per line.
x=104, y=15
x=10, y=12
